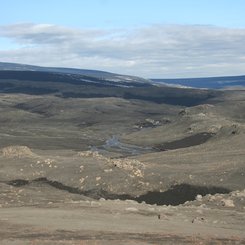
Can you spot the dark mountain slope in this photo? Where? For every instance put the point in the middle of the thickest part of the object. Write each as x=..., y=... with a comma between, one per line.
x=94, y=73
x=81, y=86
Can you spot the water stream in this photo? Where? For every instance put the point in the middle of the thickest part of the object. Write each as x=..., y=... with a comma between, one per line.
x=114, y=145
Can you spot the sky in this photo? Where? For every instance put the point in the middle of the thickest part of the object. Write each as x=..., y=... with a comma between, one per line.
x=148, y=38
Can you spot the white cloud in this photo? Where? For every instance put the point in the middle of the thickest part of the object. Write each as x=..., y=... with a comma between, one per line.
x=154, y=51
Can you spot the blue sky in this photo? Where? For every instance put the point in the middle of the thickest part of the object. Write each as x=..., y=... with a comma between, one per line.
x=124, y=13
x=152, y=38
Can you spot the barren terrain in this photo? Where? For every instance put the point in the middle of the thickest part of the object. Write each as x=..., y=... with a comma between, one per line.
x=148, y=168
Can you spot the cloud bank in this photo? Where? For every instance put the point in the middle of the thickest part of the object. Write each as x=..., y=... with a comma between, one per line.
x=158, y=51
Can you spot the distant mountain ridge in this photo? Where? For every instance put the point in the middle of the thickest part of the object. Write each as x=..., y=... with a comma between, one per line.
x=206, y=82
x=103, y=75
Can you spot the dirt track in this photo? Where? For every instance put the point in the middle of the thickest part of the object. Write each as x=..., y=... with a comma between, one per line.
x=110, y=222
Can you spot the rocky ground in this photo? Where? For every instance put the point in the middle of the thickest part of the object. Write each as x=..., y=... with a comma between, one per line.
x=117, y=171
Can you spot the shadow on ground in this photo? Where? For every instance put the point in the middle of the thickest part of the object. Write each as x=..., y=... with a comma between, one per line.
x=176, y=195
